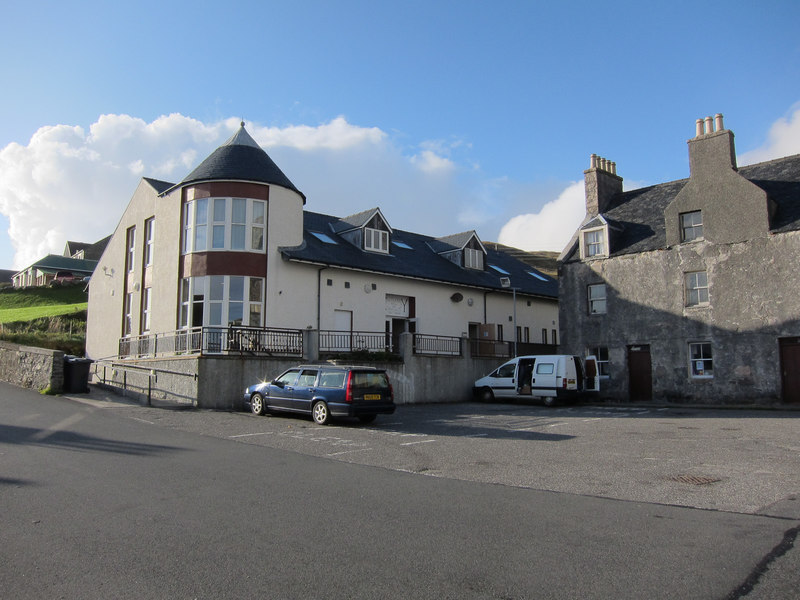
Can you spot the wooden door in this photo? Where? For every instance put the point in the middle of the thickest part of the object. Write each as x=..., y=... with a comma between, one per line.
x=790, y=369
x=640, y=373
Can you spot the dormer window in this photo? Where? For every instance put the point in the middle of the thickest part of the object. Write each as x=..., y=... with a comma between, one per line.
x=376, y=240
x=691, y=226
x=473, y=258
x=594, y=243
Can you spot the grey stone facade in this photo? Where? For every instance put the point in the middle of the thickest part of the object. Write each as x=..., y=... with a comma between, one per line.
x=716, y=305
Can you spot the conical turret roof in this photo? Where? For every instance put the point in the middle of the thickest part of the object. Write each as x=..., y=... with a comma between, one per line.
x=242, y=159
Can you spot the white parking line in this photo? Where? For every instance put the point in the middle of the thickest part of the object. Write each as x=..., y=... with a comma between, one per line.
x=419, y=442
x=348, y=452
x=250, y=434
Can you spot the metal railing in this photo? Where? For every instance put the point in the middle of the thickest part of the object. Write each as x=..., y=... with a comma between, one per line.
x=268, y=341
x=439, y=345
x=355, y=341
x=481, y=348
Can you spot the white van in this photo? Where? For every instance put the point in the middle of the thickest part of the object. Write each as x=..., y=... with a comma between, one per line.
x=551, y=377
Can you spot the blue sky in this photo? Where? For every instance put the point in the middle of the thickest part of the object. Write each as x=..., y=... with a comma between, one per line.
x=450, y=116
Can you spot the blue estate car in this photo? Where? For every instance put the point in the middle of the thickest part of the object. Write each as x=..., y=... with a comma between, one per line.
x=325, y=391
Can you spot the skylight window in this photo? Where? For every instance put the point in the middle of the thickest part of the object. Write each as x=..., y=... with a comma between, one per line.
x=402, y=245
x=540, y=277
x=322, y=237
x=499, y=270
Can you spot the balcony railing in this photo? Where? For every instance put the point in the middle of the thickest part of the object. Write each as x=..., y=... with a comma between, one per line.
x=437, y=345
x=356, y=341
x=267, y=341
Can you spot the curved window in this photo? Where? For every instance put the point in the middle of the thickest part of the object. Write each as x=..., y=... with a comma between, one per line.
x=222, y=301
x=224, y=224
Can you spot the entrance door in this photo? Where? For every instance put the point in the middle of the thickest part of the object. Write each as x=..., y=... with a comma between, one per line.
x=790, y=369
x=640, y=373
x=343, y=322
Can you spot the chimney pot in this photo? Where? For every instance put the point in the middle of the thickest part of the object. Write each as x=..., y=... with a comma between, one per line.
x=699, y=127
x=718, y=120
x=593, y=161
x=709, y=125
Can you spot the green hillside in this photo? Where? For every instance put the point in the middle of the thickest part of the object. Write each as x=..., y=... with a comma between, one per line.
x=45, y=317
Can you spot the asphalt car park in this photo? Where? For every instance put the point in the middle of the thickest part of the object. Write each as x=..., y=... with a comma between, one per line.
x=733, y=460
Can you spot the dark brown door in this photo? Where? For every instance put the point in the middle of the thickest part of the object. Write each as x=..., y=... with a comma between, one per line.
x=640, y=373
x=790, y=369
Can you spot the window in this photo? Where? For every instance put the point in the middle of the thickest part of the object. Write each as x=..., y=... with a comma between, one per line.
x=322, y=237
x=473, y=258
x=593, y=243
x=553, y=337
x=597, y=299
x=400, y=244
x=499, y=269
x=149, y=231
x=146, y=309
x=376, y=240
x=696, y=288
x=224, y=224
x=526, y=334
x=601, y=353
x=519, y=333
x=506, y=370
x=127, y=325
x=500, y=332
x=544, y=336
x=691, y=226
x=701, y=363
x=537, y=276
x=228, y=301
x=130, y=245
x=545, y=368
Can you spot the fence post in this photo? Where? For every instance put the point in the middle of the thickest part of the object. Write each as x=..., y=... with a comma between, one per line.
x=310, y=344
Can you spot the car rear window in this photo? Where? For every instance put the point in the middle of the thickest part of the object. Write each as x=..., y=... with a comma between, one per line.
x=369, y=379
x=333, y=379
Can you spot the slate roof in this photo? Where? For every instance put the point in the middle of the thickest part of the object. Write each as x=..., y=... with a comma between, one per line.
x=639, y=214
x=240, y=158
x=56, y=262
x=159, y=186
x=419, y=262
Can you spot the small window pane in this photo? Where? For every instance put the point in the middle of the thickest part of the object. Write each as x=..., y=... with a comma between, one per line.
x=258, y=212
x=237, y=288
x=256, y=287
x=239, y=210
x=237, y=237
x=218, y=236
x=216, y=287
x=691, y=226
x=219, y=209
x=258, y=238
x=701, y=360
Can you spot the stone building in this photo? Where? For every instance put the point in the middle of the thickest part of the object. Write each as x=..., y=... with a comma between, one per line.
x=688, y=291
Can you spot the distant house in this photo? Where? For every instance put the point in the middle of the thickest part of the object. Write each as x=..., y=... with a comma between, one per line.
x=687, y=291
x=77, y=262
x=85, y=251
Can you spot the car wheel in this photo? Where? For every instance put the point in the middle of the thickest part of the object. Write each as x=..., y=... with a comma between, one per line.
x=550, y=401
x=257, y=404
x=366, y=418
x=320, y=413
x=486, y=395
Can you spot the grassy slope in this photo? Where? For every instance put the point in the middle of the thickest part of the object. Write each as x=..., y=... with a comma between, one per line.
x=35, y=303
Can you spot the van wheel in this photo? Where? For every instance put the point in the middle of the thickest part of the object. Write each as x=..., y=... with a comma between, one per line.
x=550, y=401
x=320, y=413
x=486, y=395
x=257, y=404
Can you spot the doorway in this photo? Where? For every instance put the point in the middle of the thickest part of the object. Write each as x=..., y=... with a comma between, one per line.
x=640, y=373
x=790, y=369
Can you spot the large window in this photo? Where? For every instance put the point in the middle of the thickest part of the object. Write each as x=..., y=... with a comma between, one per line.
x=127, y=325
x=597, y=299
x=222, y=301
x=224, y=224
x=376, y=240
x=696, y=288
x=701, y=363
x=691, y=226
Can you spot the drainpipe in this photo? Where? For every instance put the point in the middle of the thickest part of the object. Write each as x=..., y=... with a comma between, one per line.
x=484, y=305
x=319, y=295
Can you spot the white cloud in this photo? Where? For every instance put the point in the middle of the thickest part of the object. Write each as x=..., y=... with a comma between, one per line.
x=430, y=162
x=552, y=227
x=783, y=139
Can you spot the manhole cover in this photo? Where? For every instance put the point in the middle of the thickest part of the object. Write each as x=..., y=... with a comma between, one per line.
x=694, y=479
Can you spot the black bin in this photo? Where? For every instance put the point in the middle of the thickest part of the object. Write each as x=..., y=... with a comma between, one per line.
x=76, y=374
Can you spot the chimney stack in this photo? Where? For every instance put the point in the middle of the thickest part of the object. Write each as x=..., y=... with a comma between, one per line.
x=712, y=147
x=601, y=183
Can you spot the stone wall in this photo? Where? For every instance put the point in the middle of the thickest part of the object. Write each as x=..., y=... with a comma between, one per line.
x=36, y=368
